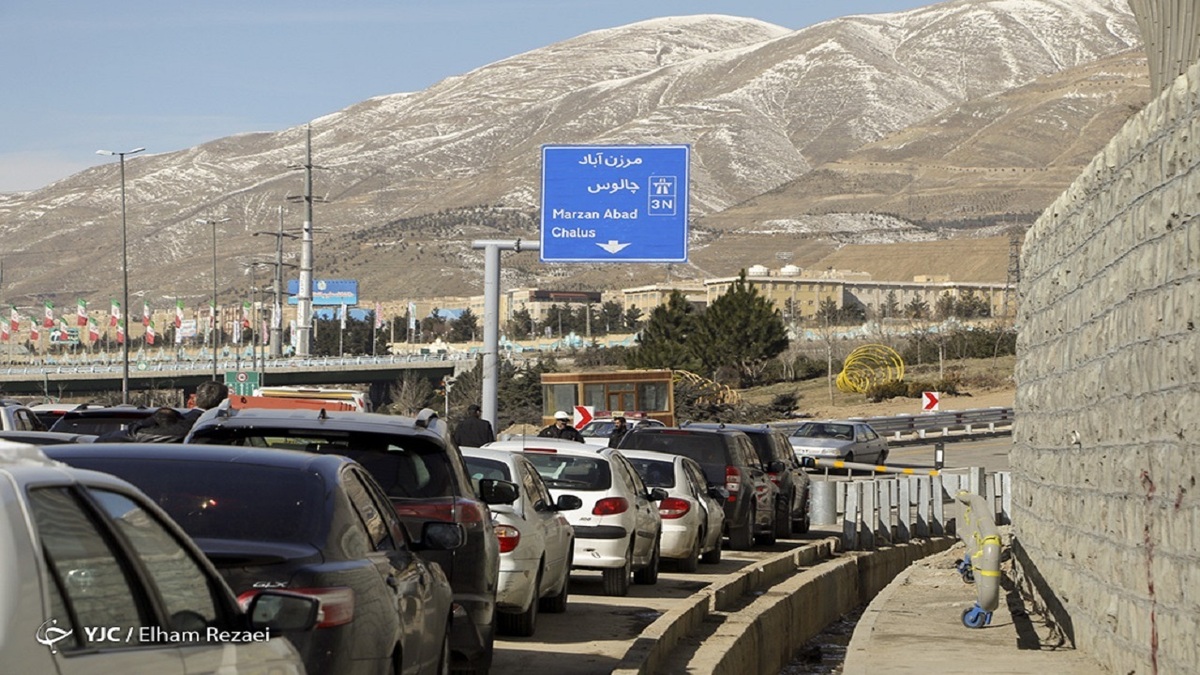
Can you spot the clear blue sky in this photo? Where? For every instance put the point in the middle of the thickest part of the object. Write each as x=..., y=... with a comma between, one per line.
x=83, y=75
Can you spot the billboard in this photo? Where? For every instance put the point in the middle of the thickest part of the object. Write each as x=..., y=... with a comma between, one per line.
x=326, y=291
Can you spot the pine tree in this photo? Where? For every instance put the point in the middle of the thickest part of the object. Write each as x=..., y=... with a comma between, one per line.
x=741, y=329
x=665, y=340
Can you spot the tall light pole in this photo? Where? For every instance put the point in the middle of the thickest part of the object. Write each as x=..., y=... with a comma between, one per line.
x=277, y=287
x=216, y=322
x=124, y=274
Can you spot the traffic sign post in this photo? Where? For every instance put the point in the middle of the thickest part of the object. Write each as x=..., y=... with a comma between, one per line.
x=241, y=382
x=615, y=203
x=583, y=415
x=929, y=401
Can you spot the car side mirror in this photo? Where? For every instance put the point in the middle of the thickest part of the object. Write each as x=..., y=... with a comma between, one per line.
x=718, y=492
x=658, y=494
x=776, y=466
x=278, y=611
x=496, y=491
x=808, y=463
x=568, y=503
x=436, y=536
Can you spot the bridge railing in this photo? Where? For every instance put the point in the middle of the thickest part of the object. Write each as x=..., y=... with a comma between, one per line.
x=224, y=363
x=900, y=508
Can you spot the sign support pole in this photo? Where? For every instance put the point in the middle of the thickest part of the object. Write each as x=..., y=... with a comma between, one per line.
x=491, y=317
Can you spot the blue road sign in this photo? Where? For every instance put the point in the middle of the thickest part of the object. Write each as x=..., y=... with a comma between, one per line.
x=614, y=203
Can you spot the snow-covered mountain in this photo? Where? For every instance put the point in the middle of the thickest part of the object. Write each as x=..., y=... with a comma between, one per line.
x=410, y=179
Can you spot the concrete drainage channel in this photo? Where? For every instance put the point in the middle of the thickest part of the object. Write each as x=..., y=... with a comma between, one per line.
x=753, y=621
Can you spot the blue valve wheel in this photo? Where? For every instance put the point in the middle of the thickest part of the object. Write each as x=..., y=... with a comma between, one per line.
x=976, y=617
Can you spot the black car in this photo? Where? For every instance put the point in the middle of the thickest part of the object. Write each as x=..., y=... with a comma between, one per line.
x=729, y=461
x=316, y=525
x=103, y=419
x=775, y=452
x=421, y=471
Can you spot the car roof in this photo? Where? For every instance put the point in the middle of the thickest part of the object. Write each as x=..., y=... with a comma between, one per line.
x=112, y=411
x=745, y=428
x=497, y=454
x=25, y=464
x=556, y=445
x=249, y=418
x=690, y=429
x=273, y=457
x=654, y=455
x=45, y=437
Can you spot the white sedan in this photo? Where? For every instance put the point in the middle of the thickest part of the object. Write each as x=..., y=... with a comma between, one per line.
x=693, y=513
x=618, y=530
x=536, y=541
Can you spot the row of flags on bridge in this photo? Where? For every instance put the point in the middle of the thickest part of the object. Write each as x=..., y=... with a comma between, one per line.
x=58, y=325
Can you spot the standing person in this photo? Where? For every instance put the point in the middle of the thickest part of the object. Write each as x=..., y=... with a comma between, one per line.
x=618, y=431
x=474, y=431
x=561, y=429
x=209, y=394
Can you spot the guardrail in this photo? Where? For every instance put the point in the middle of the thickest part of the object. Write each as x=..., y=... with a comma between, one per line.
x=66, y=367
x=903, y=429
x=900, y=508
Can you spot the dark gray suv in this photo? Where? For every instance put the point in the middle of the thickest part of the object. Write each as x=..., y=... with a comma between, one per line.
x=423, y=474
x=785, y=470
x=729, y=461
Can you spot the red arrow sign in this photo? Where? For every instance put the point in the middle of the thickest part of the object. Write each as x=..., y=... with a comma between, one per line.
x=929, y=401
x=583, y=415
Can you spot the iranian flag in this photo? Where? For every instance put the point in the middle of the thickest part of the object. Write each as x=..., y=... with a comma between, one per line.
x=178, y=313
x=34, y=335
x=150, y=334
x=4, y=332
x=120, y=332
x=93, y=330
x=48, y=317
x=81, y=317
x=246, y=315
x=146, y=314
x=14, y=320
x=115, y=314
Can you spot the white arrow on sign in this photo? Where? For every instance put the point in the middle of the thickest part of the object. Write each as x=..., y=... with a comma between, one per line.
x=613, y=246
x=929, y=401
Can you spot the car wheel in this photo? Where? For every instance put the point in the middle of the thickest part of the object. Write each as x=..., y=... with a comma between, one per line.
x=742, y=538
x=712, y=557
x=692, y=562
x=444, y=659
x=616, y=581
x=648, y=575
x=521, y=624
x=783, y=519
x=802, y=524
x=557, y=604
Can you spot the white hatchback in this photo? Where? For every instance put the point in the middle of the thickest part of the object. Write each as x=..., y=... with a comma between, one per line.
x=693, y=514
x=68, y=541
x=618, y=530
x=536, y=541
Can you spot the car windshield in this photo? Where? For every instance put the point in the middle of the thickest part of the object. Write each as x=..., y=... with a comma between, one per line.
x=214, y=500
x=405, y=467
x=825, y=430
x=707, y=449
x=654, y=473
x=575, y=473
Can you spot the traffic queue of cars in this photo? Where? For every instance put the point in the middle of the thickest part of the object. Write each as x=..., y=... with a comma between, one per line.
x=416, y=552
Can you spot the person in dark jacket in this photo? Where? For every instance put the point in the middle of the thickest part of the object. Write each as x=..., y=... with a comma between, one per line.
x=166, y=425
x=561, y=429
x=474, y=431
x=618, y=431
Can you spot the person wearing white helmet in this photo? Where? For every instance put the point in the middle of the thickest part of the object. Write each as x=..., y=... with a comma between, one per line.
x=561, y=429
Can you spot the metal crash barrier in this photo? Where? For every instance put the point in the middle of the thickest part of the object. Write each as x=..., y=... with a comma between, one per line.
x=981, y=563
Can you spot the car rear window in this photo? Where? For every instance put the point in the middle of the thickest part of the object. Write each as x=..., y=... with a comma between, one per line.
x=97, y=425
x=707, y=449
x=222, y=501
x=572, y=473
x=654, y=473
x=478, y=467
x=405, y=467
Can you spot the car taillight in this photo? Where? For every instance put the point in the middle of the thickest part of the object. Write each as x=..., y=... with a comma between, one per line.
x=337, y=603
x=673, y=507
x=733, y=480
x=774, y=478
x=509, y=537
x=452, y=510
x=610, y=506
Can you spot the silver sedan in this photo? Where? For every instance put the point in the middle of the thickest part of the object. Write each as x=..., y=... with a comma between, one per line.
x=844, y=440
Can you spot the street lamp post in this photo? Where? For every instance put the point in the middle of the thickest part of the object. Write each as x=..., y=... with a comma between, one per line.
x=124, y=273
x=277, y=285
x=216, y=322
